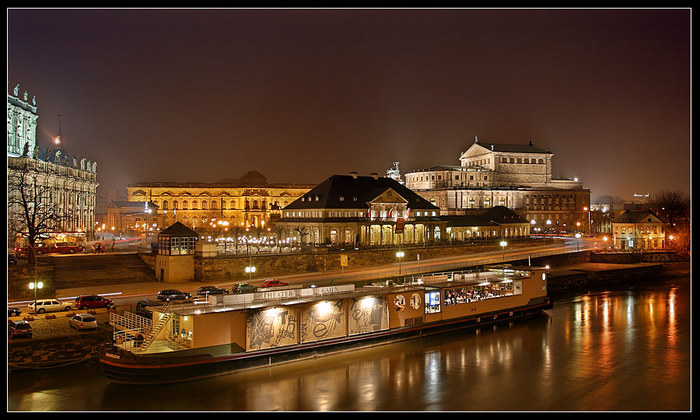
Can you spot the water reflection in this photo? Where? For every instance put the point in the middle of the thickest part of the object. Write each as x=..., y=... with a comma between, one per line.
x=625, y=350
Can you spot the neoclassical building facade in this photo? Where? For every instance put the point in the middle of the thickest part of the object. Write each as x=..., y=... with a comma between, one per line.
x=361, y=210
x=67, y=183
x=518, y=177
x=246, y=202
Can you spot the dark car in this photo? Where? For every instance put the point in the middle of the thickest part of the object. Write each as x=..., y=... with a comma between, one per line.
x=243, y=288
x=211, y=290
x=172, y=294
x=13, y=311
x=19, y=329
x=11, y=259
x=142, y=307
x=92, y=302
x=273, y=283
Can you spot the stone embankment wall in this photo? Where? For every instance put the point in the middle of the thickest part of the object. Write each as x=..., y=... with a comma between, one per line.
x=579, y=280
x=636, y=257
x=19, y=276
x=232, y=268
x=50, y=352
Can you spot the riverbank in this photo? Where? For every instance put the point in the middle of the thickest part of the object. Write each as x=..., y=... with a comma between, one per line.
x=55, y=343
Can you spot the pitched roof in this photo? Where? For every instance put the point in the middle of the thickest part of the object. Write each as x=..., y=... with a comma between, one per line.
x=355, y=192
x=637, y=216
x=512, y=148
x=178, y=229
x=485, y=217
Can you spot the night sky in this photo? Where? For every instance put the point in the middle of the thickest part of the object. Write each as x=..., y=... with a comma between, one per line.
x=299, y=95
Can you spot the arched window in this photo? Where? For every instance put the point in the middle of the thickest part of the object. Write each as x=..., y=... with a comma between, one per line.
x=204, y=205
x=184, y=205
x=334, y=236
x=195, y=205
x=164, y=206
x=213, y=204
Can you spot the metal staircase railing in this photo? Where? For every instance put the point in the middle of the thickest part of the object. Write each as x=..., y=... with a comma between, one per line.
x=157, y=327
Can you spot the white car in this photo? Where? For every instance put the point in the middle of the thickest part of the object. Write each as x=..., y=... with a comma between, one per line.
x=83, y=322
x=49, y=305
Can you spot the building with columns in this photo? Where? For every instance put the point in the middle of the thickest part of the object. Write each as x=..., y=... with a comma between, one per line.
x=515, y=176
x=248, y=202
x=361, y=210
x=68, y=184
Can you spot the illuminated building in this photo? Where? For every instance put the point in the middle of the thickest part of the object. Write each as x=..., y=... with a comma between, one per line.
x=366, y=210
x=129, y=217
x=68, y=182
x=246, y=202
x=638, y=230
x=518, y=177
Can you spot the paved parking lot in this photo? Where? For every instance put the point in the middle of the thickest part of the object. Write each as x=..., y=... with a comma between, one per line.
x=53, y=325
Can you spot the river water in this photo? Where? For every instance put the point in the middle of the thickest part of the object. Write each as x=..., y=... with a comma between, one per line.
x=619, y=350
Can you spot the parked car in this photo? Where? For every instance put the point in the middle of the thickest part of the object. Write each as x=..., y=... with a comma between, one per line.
x=273, y=283
x=243, y=288
x=65, y=248
x=211, y=290
x=49, y=305
x=92, y=302
x=172, y=294
x=19, y=329
x=83, y=322
x=22, y=252
x=142, y=307
x=11, y=258
x=13, y=311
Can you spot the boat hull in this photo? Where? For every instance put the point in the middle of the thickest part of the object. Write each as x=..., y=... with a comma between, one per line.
x=123, y=367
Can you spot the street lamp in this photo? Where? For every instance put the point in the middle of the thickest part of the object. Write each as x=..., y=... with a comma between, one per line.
x=250, y=270
x=399, y=255
x=35, y=285
x=503, y=248
x=588, y=209
x=578, y=244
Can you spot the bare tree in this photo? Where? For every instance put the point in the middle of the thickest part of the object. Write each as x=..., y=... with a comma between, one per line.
x=672, y=207
x=31, y=210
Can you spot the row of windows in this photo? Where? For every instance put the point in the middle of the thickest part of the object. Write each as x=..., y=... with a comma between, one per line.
x=521, y=160
x=384, y=213
x=479, y=162
x=642, y=230
x=185, y=205
x=439, y=178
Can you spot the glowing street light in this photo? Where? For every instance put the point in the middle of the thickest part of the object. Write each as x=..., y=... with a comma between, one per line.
x=35, y=285
x=503, y=249
x=400, y=255
x=250, y=270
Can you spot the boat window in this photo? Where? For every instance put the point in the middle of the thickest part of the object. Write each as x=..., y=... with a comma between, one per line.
x=481, y=291
x=432, y=302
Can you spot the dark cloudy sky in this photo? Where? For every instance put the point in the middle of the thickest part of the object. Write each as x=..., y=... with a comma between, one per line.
x=299, y=95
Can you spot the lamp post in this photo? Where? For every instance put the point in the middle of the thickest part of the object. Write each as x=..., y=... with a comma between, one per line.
x=503, y=249
x=35, y=286
x=588, y=209
x=250, y=269
x=578, y=243
x=399, y=255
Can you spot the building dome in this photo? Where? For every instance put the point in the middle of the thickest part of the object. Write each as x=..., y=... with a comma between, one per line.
x=253, y=178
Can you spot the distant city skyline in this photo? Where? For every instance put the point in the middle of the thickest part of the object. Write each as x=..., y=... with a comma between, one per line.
x=197, y=95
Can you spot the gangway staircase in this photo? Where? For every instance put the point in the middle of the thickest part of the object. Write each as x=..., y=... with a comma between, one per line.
x=157, y=327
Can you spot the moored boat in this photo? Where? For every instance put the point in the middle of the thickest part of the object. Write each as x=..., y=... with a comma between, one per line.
x=232, y=333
